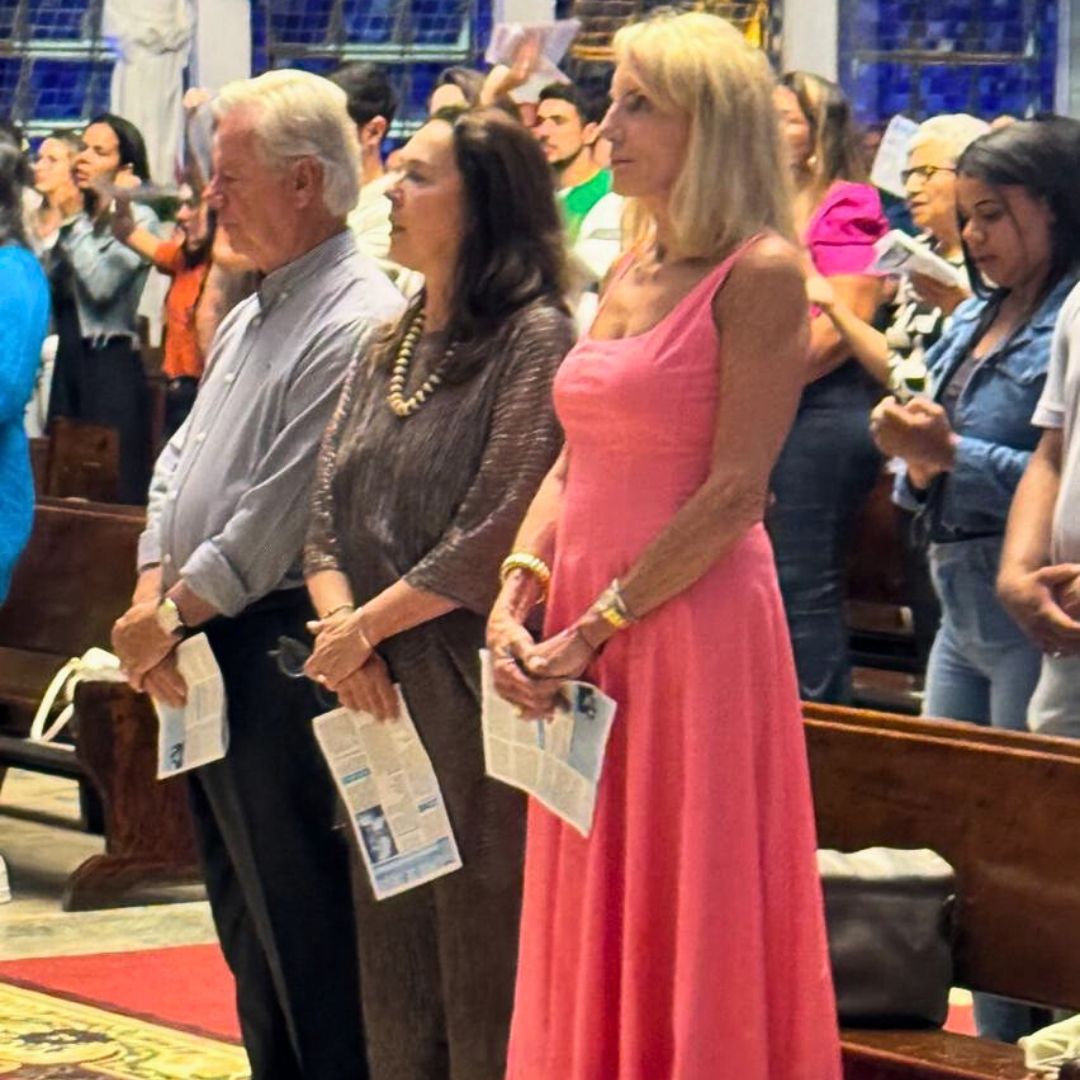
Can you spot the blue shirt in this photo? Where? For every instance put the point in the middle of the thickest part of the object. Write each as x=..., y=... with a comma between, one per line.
x=109, y=277
x=229, y=500
x=24, y=320
x=992, y=416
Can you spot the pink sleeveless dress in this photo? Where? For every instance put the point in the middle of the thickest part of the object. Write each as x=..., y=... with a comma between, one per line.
x=684, y=939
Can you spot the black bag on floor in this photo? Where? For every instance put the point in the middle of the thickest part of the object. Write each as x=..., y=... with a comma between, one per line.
x=889, y=919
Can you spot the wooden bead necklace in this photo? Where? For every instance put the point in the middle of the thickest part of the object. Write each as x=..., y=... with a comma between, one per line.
x=406, y=406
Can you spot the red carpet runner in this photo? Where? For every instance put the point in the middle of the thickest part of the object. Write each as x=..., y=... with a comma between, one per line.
x=188, y=986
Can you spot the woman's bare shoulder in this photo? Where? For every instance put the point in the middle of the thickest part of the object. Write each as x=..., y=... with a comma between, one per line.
x=771, y=254
x=767, y=283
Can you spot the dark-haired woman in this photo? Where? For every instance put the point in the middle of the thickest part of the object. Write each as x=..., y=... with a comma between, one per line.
x=186, y=259
x=828, y=464
x=104, y=382
x=441, y=438
x=966, y=447
x=24, y=319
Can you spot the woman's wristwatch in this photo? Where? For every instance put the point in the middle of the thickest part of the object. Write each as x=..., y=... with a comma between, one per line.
x=612, y=608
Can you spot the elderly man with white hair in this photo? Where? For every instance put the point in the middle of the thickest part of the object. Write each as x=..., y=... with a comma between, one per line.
x=225, y=526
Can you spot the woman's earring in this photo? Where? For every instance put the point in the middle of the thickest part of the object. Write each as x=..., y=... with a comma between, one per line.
x=811, y=162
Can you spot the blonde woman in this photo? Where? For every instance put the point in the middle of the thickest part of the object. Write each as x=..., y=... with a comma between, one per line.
x=684, y=937
x=54, y=180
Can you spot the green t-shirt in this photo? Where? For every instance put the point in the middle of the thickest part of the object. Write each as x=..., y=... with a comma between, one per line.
x=577, y=201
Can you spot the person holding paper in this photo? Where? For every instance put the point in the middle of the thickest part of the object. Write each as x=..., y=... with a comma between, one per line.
x=829, y=464
x=221, y=552
x=442, y=435
x=684, y=938
x=922, y=303
x=965, y=449
x=896, y=357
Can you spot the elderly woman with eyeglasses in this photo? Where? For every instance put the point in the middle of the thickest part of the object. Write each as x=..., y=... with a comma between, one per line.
x=922, y=303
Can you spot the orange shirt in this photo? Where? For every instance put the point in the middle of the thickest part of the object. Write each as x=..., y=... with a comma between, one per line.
x=182, y=355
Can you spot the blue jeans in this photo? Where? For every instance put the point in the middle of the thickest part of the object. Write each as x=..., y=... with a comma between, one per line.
x=982, y=669
x=822, y=478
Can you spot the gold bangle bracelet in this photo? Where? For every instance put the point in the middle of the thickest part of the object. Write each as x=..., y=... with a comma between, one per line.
x=532, y=564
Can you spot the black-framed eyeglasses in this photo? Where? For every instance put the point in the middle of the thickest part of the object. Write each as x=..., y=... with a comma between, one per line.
x=924, y=172
x=291, y=656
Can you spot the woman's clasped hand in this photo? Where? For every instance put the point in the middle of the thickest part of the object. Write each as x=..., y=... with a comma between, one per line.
x=530, y=674
x=344, y=661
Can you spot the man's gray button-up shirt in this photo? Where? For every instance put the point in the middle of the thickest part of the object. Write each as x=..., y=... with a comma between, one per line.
x=229, y=498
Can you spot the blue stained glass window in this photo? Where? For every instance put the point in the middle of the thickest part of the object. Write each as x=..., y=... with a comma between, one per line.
x=58, y=89
x=10, y=69
x=438, y=21
x=57, y=67
x=983, y=56
x=7, y=19
x=369, y=21
x=57, y=20
x=317, y=65
x=422, y=81
x=300, y=22
x=416, y=39
x=260, y=56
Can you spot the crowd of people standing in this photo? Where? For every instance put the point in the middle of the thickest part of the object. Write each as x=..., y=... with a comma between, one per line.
x=591, y=388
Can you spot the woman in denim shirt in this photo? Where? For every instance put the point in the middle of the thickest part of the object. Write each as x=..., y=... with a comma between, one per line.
x=963, y=451
x=99, y=377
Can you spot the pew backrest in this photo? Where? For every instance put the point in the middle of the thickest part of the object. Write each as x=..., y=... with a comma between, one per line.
x=1002, y=807
x=74, y=578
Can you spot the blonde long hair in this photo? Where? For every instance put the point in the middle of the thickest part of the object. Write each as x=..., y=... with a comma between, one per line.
x=734, y=182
